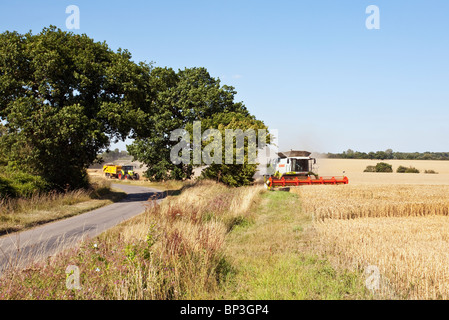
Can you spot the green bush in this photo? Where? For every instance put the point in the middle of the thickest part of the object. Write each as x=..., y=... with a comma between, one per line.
x=402, y=169
x=384, y=167
x=14, y=183
x=380, y=167
x=6, y=188
x=27, y=184
x=430, y=172
x=370, y=169
x=234, y=175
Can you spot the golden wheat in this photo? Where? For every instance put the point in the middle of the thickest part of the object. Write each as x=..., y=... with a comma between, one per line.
x=350, y=202
x=403, y=230
x=412, y=253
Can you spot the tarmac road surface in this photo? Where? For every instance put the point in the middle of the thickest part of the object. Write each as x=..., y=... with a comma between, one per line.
x=20, y=248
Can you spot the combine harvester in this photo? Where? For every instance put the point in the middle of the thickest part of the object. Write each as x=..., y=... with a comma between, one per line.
x=295, y=168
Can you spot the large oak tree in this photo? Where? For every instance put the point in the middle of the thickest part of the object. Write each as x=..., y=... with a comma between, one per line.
x=63, y=98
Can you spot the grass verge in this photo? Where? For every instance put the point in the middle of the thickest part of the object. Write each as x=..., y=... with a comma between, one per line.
x=25, y=213
x=272, y=259
x=172, y=251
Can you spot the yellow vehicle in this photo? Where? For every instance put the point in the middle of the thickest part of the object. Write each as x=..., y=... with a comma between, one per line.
x=120, y=172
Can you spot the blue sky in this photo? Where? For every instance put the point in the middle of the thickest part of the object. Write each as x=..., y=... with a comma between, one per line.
x=310, y=69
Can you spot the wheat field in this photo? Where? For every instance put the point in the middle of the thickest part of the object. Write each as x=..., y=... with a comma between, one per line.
x=401, y=228
x=412, y=254
x=376, y=201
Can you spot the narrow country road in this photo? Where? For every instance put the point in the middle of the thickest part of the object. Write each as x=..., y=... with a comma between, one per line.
x=19, y=249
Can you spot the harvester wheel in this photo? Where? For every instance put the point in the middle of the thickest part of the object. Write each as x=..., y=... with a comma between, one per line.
x=120, y=176
x=127, y=177
x=136, y=176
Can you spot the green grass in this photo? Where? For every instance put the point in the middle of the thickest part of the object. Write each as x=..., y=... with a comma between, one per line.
x=272, y=261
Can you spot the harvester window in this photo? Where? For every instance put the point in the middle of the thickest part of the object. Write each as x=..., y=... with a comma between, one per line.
x=300, y=165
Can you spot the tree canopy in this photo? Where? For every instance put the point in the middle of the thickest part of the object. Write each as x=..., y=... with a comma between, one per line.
x=63, y=98
x=181, y=98
x=233, y=173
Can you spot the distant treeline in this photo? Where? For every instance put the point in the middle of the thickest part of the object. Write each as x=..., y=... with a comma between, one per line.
x=388, y=154
x=109, y=157
x=113, y=155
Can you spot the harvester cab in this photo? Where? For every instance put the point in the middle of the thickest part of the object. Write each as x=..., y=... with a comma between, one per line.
x=296, y=168
x=294, y=163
